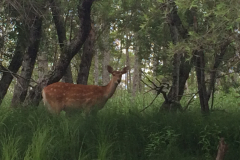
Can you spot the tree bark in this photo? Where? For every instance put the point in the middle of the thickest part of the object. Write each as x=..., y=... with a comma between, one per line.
x=69, y=50
x=128, y=76
x=96, y=69
x=42, y=65
x=213, y=73
x=67, y=78
x=106, y=56
x=136, y=75
x=86, y=59
x=185, y=69
x=175, y=76
x=15, y=63
x=21, y=88
x=200, y=72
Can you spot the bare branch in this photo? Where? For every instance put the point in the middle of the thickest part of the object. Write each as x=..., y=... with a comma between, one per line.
x=190, y=100
x=159, y=90
x=149, y=104
x=15, y=75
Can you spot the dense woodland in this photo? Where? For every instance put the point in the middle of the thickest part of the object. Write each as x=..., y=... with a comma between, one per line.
x=181, y=53
x=191, y=46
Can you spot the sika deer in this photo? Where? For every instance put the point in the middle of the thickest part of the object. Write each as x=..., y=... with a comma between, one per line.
x=88, y=98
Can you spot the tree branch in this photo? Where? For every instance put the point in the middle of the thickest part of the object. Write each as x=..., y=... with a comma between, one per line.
x=59, y=22
x=218, y=60
x=69, y=51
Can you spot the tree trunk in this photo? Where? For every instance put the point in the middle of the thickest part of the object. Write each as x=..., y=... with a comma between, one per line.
x=200, y=72
x=42, y=65
x=175, y=76
x=128, y=76
x=213, y=73
x=136, y=76
x=185, y=69
x=21, y=88
x=181, y=67
x=106, y=56
x=69, y=50
x=96, y=69
x=174, y=91
x=86, y=59
x=42, y=71
x=14, y=64
x=67, y=78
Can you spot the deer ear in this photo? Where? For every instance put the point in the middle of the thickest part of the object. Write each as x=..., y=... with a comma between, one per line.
x=110, y=69
x=125, y=69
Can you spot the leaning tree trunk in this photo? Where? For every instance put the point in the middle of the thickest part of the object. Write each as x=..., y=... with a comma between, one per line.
x=185, y=68
x=86, y=59
x=69, y=50
x=15, y=63
x=21, y=88
x=213, y=74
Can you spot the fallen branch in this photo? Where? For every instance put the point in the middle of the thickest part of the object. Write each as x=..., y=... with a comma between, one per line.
x=222, y=148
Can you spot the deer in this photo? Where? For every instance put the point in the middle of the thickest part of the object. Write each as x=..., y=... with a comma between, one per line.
x=68, y=97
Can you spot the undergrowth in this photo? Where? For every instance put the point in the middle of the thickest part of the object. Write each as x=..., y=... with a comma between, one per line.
x=118, y=132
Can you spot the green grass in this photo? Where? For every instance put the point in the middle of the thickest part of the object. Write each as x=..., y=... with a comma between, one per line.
x=120, y=132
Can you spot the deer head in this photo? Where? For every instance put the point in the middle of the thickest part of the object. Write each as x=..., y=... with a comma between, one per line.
x=89, y=98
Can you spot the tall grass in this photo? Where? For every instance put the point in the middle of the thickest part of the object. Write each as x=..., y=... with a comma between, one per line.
x=120, y=132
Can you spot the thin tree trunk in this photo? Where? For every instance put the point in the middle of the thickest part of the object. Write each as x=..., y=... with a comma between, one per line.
x=96, y=69
x=86, y=59
x=128, y=76
x=21, y=88
x=106, y=57
x=200, y=72
x=136, y=75
x=213, y=74
x=42, y=65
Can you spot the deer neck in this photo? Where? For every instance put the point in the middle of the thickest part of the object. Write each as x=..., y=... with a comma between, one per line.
x=110, y=89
